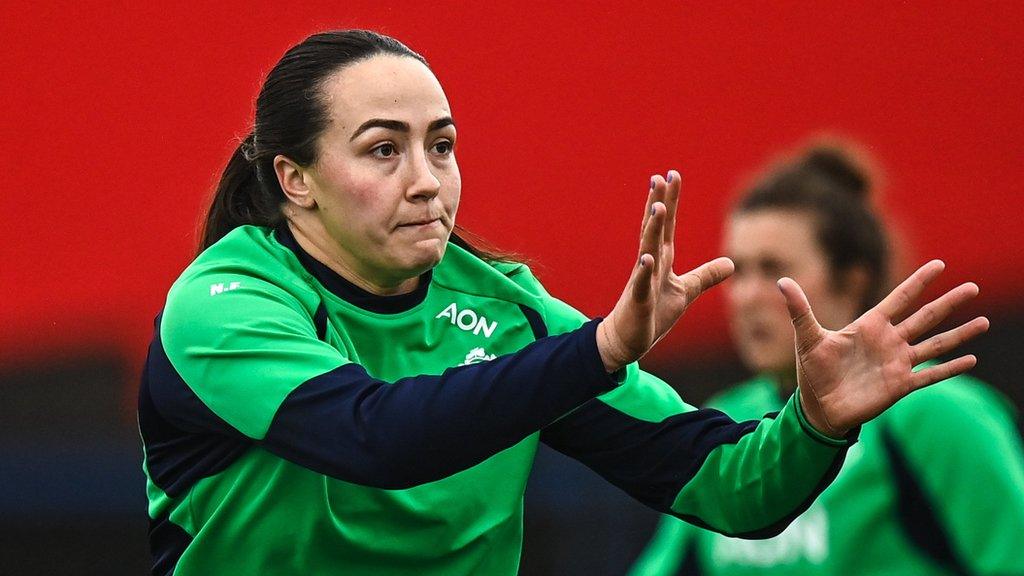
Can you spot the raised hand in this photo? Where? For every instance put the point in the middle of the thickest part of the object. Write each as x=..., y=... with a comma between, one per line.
x=654, y=297
x=850, y=376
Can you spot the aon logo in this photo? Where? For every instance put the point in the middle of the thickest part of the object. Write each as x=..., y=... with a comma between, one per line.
x=468, y=320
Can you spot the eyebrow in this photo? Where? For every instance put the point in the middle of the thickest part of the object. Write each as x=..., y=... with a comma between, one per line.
x=399, y=126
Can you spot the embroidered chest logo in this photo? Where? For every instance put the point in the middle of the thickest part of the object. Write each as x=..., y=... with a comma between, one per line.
x=477, y=355
x=468, y=320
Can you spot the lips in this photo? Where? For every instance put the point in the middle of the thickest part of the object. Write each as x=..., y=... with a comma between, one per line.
x=418, y=223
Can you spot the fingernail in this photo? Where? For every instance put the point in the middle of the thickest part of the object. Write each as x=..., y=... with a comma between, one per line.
x=669, y=177
x=652, y=182
x=641, y=261
x=652, y=210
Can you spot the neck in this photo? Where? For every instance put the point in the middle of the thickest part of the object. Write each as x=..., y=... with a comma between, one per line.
x=323, y=251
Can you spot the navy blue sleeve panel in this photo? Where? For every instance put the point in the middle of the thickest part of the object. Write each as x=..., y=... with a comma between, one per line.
x=650, y=461
x=351, y=426
x=184, y=441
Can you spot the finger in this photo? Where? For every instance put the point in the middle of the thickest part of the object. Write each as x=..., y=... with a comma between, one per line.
x=674, y=183
x=642, y=279
x=650, y=242
x=938, y=373
x=656, y=194
x=909, y=289
x=947, y=341
x=808, y=331
x=936, y=311
x=704, y=277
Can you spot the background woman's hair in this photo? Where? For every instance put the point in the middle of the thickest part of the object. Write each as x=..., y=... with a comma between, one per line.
x=290, y=117
x=832, y=182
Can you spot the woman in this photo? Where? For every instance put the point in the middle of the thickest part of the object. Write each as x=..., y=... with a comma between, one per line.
x=338, y=383
x=936, y=484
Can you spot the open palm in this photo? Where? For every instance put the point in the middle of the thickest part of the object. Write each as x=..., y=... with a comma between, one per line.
x=849, y=376
x=655, y=297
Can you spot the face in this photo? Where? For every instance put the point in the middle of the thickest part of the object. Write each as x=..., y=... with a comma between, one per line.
x=385, y=183
x=765, y=246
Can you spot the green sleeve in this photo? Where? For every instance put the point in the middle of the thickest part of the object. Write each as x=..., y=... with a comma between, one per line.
x=755, y=485
x=242, y=349
x=961, y=446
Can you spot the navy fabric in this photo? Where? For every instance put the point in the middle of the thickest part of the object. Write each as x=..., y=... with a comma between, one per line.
x=916, y=513
x=320, y=322
x=540, y=329
x=650, y=461
x=348, y=291
x=167, y=542
x=184, y=440
x=351, y=426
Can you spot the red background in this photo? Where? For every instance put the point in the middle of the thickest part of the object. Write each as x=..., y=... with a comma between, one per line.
x=116, y=122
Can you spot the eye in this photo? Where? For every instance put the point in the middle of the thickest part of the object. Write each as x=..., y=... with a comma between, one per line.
x=773, y=268
x=384, y=151
x=443, y=147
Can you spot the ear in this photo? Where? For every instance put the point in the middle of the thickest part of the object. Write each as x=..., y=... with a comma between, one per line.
x=295, y=181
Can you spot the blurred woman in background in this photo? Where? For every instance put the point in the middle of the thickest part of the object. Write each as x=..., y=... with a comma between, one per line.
x=935, y=485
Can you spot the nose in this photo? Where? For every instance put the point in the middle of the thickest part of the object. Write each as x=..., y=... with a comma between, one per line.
x=423, y=184
x=747, y=290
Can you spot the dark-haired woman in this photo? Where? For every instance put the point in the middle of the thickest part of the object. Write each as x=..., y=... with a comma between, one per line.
x=339, y=384
x=936, y=484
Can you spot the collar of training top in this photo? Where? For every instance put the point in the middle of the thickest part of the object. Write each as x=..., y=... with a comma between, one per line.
x=348, y=291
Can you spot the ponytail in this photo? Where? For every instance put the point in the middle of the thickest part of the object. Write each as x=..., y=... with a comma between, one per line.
x=241, y=197
x=290, y=116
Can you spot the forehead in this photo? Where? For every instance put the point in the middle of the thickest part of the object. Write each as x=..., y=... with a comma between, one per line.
x=384, y=86
x=788, y=234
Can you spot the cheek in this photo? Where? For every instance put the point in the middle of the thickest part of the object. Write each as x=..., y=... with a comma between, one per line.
x=452, y=189
x=358, y=203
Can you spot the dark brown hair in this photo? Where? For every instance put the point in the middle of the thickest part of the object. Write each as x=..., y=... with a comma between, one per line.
x=290, y=117
x=832, y=182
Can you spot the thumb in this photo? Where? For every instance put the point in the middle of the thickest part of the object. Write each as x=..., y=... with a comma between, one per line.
x=808, y=331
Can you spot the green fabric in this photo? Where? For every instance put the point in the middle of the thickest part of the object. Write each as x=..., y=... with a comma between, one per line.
x=745, y=486
x=237, y=327
x=960, y=440
x=810, y=429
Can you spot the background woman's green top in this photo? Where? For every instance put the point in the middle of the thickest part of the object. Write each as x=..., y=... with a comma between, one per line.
x=934, y=487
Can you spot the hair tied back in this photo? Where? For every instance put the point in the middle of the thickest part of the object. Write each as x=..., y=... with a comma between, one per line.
x=840, y=165
x=248, y=148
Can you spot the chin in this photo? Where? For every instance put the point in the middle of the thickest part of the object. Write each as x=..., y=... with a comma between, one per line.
x=424, y=258
x=762, y=359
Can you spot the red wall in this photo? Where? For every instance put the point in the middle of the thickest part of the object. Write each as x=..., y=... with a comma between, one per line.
x=117, y=120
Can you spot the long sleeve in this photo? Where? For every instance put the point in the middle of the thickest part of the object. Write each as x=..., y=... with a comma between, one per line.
x=747, y=479
x=246, y=367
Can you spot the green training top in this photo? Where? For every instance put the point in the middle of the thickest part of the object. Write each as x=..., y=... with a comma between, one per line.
x=934, y=487
x=295, y=424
